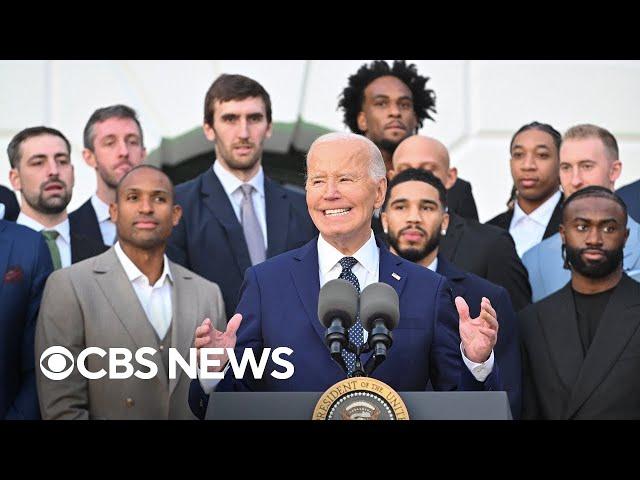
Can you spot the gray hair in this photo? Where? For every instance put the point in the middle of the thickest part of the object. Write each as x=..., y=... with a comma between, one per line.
x=377, y=169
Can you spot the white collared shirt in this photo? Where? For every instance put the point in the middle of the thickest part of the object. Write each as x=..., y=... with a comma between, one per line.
x=433, y=266
x=528, y=230
x=231, y=185
x=107, y=227
x=1, y=211
x=64, y=235
x=155, y=299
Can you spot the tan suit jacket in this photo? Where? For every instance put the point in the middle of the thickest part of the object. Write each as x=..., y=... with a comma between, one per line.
x=93, y=303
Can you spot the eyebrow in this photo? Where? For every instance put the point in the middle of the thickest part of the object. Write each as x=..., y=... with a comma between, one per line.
x=136, y=190
x=589, y=220
x=42, y=155
x=541, y=145
x=422, y=201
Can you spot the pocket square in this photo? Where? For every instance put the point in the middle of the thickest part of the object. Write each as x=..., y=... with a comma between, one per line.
x=14, y=274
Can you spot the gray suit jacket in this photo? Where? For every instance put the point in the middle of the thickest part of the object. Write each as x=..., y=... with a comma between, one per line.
x=92, y=303
x=545, y=265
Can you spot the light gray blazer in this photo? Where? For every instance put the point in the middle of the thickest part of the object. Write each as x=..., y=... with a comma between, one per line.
x=92, y=303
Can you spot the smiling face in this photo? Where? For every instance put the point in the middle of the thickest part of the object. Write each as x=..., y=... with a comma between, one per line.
x=44, y=175
x=341, y=194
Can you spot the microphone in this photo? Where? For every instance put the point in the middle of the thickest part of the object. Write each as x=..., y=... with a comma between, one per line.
x=379, y=314
x=337, y=312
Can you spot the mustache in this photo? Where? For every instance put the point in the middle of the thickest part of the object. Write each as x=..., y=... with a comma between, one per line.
x=56, y=181
x=416, y=227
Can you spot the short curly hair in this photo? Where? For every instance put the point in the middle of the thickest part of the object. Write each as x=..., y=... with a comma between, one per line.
x=352, y=97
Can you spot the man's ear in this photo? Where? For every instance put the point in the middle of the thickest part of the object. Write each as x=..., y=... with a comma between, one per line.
x=452, y=177
x=209, y=132
x=89, y=158
x=113, y=212
x=176, y=215
x=14, y=178
x=362, y=122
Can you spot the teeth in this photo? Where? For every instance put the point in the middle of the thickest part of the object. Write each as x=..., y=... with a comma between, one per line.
x=337, y=211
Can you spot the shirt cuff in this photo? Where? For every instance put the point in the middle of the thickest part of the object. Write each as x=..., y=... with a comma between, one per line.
x=209, y=384
x=480, y=371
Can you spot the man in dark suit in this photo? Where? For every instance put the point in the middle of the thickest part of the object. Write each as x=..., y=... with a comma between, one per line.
x=535, y=160
x=25, y=264
x=414, y=215
x=580, y=344
x=234, y=216
x=387, y=104
x=631, y=196
x=487, y=251
x=345, y=183
x=41, y=171
x=10, y=203
x=113, y=145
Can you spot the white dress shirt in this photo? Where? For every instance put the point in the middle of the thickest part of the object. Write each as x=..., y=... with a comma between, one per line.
x=1, y=211
x=231, y=185
x=155, y=299
x=64, y=236
x=107, y=227
x=528, y=230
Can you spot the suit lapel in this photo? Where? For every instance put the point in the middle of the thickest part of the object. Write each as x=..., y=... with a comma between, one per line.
x=84, y=221
x=449, y=243
x=455, y=276
x=307, y=282
x=560, y=329
x=117, y=289
x=219, y=205
x=5, y=250
x=554, y=221
x=184, y=318
x=617, y=326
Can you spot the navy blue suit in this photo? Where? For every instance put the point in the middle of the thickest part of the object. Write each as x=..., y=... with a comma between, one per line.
x=507, y=350
x=631, y=196
x=25, y=264
x=84, y=221
x=209, y=239
x=279, y=304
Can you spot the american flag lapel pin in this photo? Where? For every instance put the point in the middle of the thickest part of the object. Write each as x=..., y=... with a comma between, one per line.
x=395, y=275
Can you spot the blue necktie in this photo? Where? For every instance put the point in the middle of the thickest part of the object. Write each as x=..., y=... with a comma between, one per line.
x=355, y=332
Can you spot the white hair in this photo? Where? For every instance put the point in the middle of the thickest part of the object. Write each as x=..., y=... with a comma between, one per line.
x=377, y=169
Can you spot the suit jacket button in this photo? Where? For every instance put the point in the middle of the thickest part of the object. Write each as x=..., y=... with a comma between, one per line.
x=161, y=348
x=130, y=402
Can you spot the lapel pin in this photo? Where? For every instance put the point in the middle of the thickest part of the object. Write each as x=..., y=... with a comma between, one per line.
x=395, y=275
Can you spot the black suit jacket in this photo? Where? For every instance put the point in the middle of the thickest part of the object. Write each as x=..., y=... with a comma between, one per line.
x=504, y=220
x=490, y=253
x=209, y=239
x=460, y=200
x=631, y=196
x=84, y=221
x=11, y=206
x=558, y=381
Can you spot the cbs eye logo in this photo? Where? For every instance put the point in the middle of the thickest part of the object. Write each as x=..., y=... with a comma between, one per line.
x=55, y=364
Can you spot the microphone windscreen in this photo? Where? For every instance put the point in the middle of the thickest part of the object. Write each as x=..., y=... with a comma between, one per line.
x=338, y=299
x=379, y=300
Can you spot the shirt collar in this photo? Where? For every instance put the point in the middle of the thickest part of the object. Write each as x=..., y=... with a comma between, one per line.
x=62, y=228
x=101, y=208
x=133, y=272
x=367, y=255
x=433, y=266
x=231, y=183
x=542, y=214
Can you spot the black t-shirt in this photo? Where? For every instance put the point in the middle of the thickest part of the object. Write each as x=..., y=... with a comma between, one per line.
x=589, y=310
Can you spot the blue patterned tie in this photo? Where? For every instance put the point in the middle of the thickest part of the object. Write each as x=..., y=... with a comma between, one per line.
x=355, y=332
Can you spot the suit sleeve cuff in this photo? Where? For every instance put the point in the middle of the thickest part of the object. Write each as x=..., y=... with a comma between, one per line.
x=209, y=384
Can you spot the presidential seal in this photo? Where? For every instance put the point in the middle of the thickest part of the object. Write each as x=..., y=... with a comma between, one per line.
x=360, y=398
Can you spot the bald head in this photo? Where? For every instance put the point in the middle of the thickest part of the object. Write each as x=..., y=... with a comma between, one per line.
x=424, y=153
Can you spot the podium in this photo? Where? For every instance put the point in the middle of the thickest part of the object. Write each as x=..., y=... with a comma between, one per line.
x=300, y=405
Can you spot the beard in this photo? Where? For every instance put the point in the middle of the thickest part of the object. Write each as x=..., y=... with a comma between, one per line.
x=415, y=254
x=611, y=261
x=49, y=206
x=110, y=178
